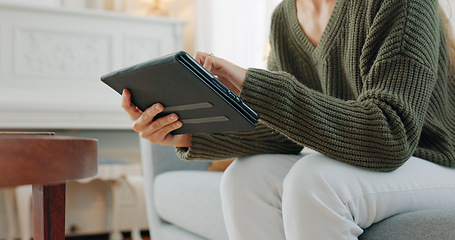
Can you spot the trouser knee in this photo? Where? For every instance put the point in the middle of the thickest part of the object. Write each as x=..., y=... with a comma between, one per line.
x=315, y=178
x=258, y=175
x=236, y=176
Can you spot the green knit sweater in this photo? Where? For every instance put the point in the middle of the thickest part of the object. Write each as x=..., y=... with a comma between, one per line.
x=375, y=90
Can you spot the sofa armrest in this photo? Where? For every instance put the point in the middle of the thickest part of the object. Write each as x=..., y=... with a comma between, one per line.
x=157, y=159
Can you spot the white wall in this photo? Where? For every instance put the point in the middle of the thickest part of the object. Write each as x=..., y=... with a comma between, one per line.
x=449, y=8
x=186, y=10
x=236, y=30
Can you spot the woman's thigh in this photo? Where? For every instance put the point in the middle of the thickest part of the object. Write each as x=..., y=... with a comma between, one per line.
x=251, y=191
x=366, y=197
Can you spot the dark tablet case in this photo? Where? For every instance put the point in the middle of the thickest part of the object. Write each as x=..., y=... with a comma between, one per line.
x=184, y=87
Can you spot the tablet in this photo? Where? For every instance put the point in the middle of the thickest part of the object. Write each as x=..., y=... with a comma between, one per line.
x=184, y=87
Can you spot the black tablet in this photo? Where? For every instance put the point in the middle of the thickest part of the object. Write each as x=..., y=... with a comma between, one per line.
x=184, y=87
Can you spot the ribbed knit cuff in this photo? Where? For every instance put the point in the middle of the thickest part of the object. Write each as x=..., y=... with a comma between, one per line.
x=252, y=87
x=197, y=150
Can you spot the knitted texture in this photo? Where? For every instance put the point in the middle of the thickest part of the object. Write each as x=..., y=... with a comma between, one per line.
x=374, y=91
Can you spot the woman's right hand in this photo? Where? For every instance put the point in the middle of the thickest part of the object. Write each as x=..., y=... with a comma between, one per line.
x=156, y=131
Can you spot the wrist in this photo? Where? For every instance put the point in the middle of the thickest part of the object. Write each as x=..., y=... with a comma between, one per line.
x=184, y=141
x=241, y=78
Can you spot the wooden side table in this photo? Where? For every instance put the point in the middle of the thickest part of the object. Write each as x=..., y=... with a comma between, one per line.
x=47, y=162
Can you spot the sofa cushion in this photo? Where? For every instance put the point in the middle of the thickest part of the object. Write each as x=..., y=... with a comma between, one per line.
x=433, y=224
x=191, y=200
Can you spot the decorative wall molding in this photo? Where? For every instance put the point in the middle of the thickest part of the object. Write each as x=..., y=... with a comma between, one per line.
x=42, y=118
x=1, y=50
x=43, y=52
x=52, y=60
x=139, y=49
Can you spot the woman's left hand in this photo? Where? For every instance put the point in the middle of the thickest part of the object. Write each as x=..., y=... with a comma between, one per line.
x=228, y=73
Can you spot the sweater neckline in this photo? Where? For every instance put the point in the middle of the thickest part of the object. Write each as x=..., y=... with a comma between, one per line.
x=327, y=36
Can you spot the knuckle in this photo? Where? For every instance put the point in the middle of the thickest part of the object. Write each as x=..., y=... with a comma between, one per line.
x=148, y=137
x=156, y=124
x=153, y=139
x=151, y=112
x=136, y=127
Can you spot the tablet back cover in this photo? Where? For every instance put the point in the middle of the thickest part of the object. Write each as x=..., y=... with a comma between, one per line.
x=167, y=81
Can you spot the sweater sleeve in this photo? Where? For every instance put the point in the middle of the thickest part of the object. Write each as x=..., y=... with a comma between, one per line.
x=380, y=129
x=236, y=144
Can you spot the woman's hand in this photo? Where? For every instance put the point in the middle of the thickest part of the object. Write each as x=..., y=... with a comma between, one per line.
x=228, y=73
x=156, y=131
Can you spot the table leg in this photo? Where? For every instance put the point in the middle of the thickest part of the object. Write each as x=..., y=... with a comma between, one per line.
x=24, y=210
x=136, y=184
x=9, y=212
x=49, y=212
x=115, y=231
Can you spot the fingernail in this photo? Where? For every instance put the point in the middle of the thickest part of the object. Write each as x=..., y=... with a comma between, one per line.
x=158, y=107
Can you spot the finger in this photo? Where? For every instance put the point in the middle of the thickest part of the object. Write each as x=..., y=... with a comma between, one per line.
x=164, y=135
x=217, y=66
x=147, y=117
x=200, y=57
x=208, y=63
x=163, y=122
x=129, y=107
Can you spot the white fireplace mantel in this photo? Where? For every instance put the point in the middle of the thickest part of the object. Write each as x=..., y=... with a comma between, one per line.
x=52, y=59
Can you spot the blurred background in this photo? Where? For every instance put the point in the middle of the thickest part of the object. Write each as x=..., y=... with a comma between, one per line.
x=52, y=54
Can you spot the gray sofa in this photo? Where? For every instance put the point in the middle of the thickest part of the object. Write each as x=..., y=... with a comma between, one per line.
x=183, y=203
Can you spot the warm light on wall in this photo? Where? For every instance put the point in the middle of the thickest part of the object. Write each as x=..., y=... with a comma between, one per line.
x=136, y=7
x=147, y=7
x=158, y=9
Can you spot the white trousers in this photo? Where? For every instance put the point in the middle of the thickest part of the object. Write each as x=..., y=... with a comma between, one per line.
x=315, y=197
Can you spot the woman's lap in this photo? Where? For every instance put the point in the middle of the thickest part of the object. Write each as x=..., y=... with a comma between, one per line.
x=318, y=189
